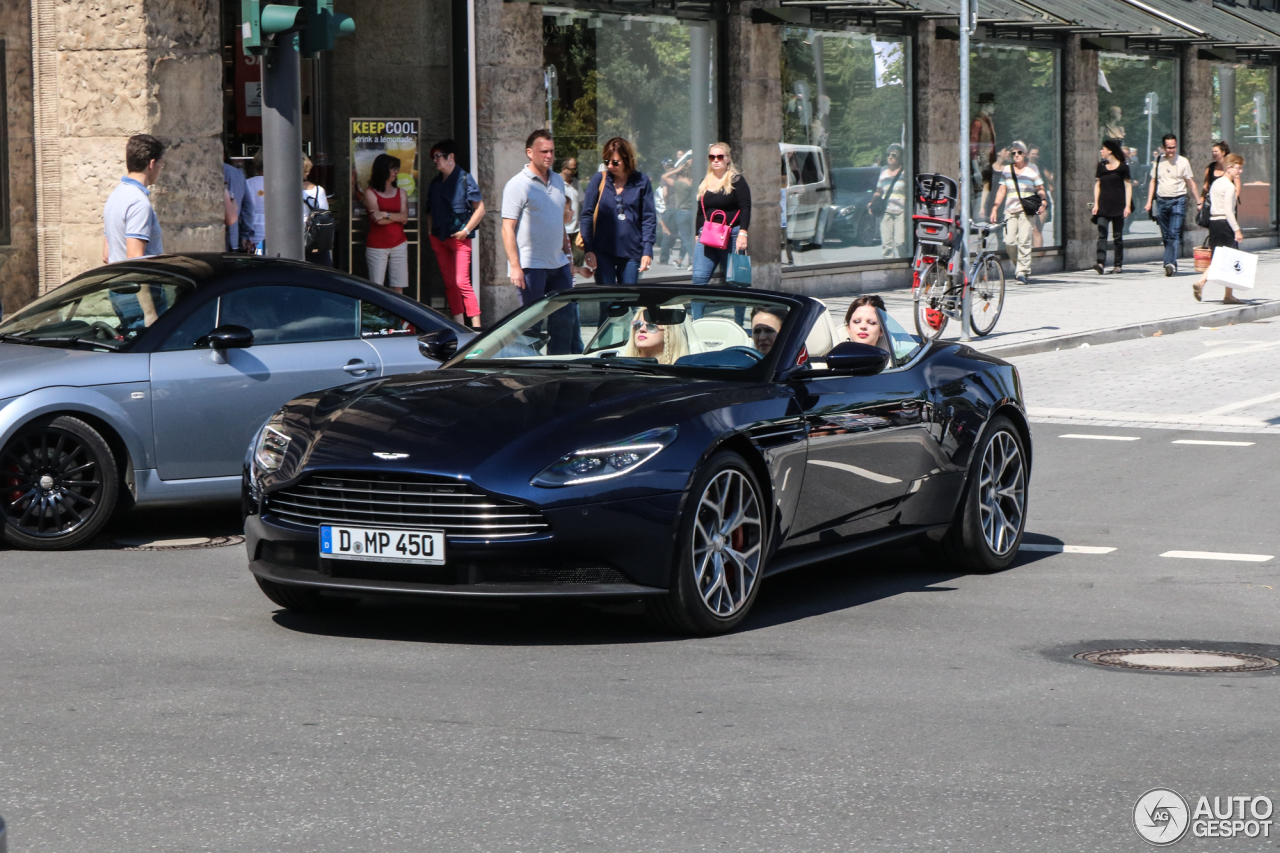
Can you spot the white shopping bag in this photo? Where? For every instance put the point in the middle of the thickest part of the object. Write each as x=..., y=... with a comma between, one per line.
x=1233, y=268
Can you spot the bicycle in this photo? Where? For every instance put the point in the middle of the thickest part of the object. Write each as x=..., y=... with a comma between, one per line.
x=939, y=288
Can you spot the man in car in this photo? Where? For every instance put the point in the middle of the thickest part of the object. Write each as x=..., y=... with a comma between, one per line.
x=766, y=322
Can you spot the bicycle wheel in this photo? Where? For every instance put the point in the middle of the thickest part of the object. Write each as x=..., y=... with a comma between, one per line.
x=987, y=300
x=930, y=297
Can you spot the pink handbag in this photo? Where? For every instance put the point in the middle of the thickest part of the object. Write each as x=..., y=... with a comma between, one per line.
x=715, y=234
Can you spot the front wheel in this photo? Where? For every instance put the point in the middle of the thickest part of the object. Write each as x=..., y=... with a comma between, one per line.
x=60, y=484
x=993, y=512
x=986, y=297
x=720, y=561
x=930, y=299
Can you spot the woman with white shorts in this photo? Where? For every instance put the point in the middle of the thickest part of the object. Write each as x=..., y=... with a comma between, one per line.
x=387, y=248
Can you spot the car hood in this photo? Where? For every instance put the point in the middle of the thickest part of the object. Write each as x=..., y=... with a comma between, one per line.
x=27, y=367
x=453, y=421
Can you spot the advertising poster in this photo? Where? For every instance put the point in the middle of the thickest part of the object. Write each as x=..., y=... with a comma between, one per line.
x=398, y=137
x=248, y=90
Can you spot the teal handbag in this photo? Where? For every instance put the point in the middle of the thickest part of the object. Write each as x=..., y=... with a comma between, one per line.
x=739, y=272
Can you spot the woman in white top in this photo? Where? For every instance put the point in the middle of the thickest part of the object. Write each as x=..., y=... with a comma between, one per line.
x=1224, y=230
x=313, y=199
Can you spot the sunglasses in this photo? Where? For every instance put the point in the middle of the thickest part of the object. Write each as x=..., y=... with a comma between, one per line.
x=439, y=156
x=717, y=156
x=613, y=162
x=642, y=326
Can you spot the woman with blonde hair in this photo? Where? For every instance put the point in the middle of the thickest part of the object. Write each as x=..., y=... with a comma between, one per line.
x=649, y=340
x=619, y=222
x=723, y=196
x=1224, y=229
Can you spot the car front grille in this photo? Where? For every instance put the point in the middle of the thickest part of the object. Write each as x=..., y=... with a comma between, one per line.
x=404, y=500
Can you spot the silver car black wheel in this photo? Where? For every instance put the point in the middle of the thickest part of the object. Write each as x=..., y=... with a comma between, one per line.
x=1002, y=494
x=727, y=543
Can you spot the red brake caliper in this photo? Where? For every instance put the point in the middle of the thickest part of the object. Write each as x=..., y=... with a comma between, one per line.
x=13, y=481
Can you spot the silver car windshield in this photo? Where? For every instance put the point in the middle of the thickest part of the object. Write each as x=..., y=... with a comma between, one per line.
x=109, y=310
x=645, y=332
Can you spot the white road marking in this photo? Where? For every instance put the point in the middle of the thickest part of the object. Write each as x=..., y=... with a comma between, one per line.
x=1215, y=443
x=1101, y=437
x=1243, y=404
x=1146, y=417
x=1218, y=555
x=1236, y=348
x=1065, y=549
x=853, y=469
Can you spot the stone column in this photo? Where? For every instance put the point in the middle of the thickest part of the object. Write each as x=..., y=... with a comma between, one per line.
x=108, y=73
x=19, y=270
x=1079, y=154
x=1196, y=134
x=510, y=103
x=937, y=101
x=753, y=68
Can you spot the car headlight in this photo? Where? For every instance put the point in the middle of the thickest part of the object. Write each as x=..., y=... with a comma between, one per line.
x=594, y=464
x=270, y=446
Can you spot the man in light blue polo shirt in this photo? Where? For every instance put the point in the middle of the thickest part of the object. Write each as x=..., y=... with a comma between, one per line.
x=131, y=229
x=533, y=234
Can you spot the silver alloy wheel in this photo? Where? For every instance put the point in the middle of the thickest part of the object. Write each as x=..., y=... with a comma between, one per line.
x=1002, y=493
x=727, y=540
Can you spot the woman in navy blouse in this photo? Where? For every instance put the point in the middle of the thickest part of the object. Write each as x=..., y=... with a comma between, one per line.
x=620, y=224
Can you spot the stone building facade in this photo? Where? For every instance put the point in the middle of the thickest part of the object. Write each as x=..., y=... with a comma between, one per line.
x=81, y=76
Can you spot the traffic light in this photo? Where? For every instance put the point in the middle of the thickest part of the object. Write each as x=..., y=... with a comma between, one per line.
x=323, y=26
x=258, y=20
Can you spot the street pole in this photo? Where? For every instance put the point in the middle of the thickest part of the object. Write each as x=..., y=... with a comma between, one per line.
x=282, y=147
x=968, y=14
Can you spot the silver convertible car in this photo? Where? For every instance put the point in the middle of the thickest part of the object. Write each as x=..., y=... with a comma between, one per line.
x=143, y=382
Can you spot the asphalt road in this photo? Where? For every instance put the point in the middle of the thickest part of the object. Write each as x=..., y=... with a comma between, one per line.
x=157, y=701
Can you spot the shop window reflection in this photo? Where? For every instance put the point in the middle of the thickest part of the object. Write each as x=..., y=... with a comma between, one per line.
x=1243, y=99
x=1137, y=106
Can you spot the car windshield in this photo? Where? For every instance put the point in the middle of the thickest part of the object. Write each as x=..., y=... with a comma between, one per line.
x=667, y=332
x=109, y=310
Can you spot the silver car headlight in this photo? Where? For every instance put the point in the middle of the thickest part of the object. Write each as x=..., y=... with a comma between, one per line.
x=270, y=446
x=593, y=464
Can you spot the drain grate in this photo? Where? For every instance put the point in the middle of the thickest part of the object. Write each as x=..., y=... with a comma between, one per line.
x=144, y=543
x=1179, y=660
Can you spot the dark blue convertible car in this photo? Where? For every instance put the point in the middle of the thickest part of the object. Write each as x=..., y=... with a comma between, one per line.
x=677, y=445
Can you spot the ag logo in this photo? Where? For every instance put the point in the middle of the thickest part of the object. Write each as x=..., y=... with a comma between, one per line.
x=1161, y=816
x=1238, y=266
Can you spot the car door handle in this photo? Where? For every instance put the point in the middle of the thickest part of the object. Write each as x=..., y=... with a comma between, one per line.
x=355, y=365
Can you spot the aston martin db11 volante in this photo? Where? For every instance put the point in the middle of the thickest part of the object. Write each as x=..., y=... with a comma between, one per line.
x=676, y=445
x=143, y=381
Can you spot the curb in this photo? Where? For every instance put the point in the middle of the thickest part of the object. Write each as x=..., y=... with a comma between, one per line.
x=1226, y=317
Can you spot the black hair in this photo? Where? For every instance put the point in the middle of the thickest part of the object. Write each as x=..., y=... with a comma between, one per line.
x=775, y=310
x=1166, y=138
x=445, y=147
x=381, y=171
x=1116, y=149
x=540, y=133
x=140, y=150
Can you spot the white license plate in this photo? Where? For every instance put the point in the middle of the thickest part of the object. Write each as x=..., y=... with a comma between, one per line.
x=382, y=545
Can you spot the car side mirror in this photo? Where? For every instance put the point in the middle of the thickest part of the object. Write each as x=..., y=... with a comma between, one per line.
x=439, y=345
x=856, y=359
x=229, y=336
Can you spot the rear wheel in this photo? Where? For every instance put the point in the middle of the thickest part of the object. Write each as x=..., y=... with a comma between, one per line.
x=721, y=559
x=930, y=297
x=993, y=513
x=59, y=483
x=987, y=297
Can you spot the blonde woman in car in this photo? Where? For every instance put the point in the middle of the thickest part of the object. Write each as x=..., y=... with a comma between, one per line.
x=650, y=340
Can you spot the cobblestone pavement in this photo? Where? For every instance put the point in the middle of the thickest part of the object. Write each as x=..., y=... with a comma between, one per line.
x=1058, y=305
x=1216, y=378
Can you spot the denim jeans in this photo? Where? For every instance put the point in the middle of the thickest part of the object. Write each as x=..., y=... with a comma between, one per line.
x=706, y=260
x=1169, y=214
x=563, y=326
x=614, y=269
x=684, y=227
x=129, y=309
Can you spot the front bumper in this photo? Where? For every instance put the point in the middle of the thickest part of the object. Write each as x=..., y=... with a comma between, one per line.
x=607, y=550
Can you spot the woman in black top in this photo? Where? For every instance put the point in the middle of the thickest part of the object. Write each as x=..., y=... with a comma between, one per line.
x=724, y=189
x=1112, y=202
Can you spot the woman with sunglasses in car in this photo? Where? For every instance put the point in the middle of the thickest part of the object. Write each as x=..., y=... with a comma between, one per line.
x=619, y=223
x=649, y=340
x=723, y=196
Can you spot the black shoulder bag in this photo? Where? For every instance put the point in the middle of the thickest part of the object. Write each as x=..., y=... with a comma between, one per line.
x=881, y=205
x=1029, y=206
x=321, y=226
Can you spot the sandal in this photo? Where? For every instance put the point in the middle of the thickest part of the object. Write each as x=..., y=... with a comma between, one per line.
x=1197, y=290
x=1117, y=270
x=1231, y=300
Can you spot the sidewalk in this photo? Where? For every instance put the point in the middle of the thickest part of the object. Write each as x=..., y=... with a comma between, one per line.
x=1065, y=310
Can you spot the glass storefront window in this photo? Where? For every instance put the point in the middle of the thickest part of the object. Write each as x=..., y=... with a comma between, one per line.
x=1014, y=97
x=846, y=132
x=1243, y=101
x=1137, y=106
x=649, y=79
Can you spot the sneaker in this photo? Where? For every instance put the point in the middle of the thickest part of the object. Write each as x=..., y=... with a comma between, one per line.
x=1117, y=270
x=1169, y=269
x=1099, y=269
x=1022, y=279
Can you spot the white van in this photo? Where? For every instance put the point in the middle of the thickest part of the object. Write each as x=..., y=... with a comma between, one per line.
x=806, y=175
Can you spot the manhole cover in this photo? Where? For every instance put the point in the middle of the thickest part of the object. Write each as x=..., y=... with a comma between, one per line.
x=148, y=543
x=1180, y=660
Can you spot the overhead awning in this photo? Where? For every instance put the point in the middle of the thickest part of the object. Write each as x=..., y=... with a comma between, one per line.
x=1215, y=27
x=1261, y=18
x=1114, y=20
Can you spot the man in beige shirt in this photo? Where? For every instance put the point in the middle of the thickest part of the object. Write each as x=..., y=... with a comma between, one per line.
x=1168, y=191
